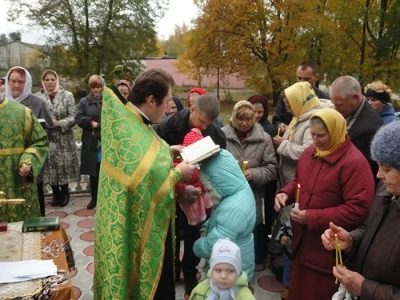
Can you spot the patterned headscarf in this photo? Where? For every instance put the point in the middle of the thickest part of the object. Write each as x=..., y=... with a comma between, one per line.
x=27, y=88
x=302, y=99
x=337, y=129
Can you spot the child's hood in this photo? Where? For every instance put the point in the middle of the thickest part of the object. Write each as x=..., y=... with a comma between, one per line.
x=222, y=175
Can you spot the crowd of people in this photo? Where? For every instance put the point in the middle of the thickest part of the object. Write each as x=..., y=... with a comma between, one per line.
x=323, y=175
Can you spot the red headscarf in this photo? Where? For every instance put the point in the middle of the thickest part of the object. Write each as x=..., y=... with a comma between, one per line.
x=195, y=90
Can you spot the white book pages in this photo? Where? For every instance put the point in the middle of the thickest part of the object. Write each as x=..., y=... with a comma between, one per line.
x=200, y=150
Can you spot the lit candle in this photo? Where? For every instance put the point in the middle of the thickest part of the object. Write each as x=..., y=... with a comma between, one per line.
x=244, y=165
x=296, y=205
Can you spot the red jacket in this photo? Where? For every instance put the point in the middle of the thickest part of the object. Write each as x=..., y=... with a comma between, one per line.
x=338, y=188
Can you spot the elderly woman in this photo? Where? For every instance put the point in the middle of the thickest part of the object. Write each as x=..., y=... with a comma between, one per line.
x=331, y=184
x=374, y=248
x=379, y=95
x=19, y=88
x=302, y=102
x=173, y=106
x=62, y=163
x=88, y=118
x=252, y=147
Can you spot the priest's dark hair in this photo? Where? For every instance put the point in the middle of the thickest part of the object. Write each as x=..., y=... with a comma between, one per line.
x=155, y=82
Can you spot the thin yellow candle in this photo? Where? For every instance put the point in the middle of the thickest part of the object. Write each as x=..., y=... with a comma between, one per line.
x=339, y=259
x=244, y=165
x=279, y=132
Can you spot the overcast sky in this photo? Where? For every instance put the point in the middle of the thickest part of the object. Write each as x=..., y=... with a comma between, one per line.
x=179, y=11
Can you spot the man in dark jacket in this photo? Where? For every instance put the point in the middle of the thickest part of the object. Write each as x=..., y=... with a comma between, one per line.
x=173, y=129
x=362, y=120
x=306, y=71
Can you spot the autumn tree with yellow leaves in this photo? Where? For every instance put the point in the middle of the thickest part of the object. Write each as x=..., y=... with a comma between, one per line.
x=264, y=40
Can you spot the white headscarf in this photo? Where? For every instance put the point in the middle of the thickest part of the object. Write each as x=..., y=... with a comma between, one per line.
x=27, y=88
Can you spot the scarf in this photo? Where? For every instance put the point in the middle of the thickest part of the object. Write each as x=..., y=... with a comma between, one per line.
x=27, y=88
x=302, y=99
x=336, y=125
x=227, y=294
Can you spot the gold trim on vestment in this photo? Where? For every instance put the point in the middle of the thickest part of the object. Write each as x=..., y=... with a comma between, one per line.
x=145, y=164
x=11, y=151
x=4, y=103
x=143, y=241
x=115, y=173
x=28, y=122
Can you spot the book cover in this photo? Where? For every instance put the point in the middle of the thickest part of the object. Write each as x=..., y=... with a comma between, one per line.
x=200, y=150
x=41, y=224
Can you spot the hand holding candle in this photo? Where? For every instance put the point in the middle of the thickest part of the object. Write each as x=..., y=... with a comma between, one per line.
x=296, y=205
x=339, y=260
x=244, y=165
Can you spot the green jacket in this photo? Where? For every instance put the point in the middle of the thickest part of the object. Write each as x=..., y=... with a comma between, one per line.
x=203, y=289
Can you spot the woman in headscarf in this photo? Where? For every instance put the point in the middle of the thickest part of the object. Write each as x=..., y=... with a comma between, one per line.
x=88, y=118
x=173, y=106
x=62, y=163
x=253, y=149
x=18, y=87
x=378, y=96
x=260, y=104
x=373, y=271
x=331, y=184
x=302, y=102
x=124, y=87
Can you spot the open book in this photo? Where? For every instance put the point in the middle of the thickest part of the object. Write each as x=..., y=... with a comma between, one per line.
x=200, y=150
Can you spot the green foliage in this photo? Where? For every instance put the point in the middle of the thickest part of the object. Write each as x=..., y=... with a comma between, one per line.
x=94, y=35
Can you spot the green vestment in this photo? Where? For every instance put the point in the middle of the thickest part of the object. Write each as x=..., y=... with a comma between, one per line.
x=22, y=140
x=135, y=204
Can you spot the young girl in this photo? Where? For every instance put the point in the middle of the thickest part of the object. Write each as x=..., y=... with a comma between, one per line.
x=225, y=280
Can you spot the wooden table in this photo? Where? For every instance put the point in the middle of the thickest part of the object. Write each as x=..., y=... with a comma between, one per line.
x=45, y=245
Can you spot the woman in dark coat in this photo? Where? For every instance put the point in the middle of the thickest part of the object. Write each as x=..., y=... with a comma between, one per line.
x=260, y=104
x=88, y=118
x=335, y=186
x=374, y=248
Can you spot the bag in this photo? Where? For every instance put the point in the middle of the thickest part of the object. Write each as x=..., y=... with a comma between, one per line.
x=274, y=247
x=343, y=294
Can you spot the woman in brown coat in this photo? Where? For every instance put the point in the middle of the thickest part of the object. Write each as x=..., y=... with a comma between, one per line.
x=374, y=248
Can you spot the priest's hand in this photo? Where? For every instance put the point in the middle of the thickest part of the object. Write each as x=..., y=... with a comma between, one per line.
x=56, y=123
x=25, y=169
x=176, y=149
x=344, y=238
x=280, y=201
x=298, y=216
x=186, y=169
x=352, y=281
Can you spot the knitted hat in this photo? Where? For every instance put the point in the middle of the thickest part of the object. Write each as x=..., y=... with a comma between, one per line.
x=226, y=252
x=386, y=144
x=193, y=136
